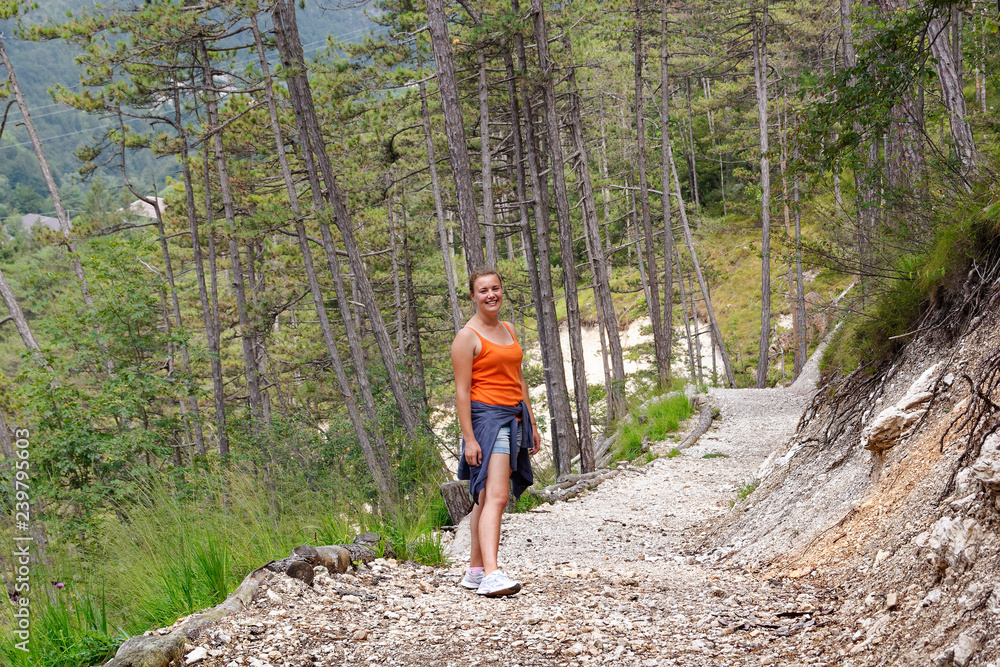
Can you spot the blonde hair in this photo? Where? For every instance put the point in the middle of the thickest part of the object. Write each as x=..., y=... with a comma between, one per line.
x=482, y=272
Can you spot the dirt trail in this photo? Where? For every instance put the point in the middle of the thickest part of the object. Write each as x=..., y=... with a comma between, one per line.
x=613, y=577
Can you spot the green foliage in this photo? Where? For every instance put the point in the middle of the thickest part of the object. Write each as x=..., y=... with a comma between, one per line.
x=649, y=457
x=870, y=337
x=715, y=455
x=69, y=627
x=664, y=416
x=673, y=453
x=527, y=502
x=412, y=532
x=744, y=489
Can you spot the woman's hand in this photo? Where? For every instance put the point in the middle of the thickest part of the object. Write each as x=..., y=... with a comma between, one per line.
x=536, y=439
x=473, y=453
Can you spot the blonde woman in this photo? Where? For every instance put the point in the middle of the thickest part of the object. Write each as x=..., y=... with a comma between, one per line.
x=499, y=432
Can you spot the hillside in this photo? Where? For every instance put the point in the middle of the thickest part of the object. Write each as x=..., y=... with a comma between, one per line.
x=264, y=357
x=41, y=66
x=887, y=494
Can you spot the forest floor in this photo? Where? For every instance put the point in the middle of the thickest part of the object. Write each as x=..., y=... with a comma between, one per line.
x=613, y=577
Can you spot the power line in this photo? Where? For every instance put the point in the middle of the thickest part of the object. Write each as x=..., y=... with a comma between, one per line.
x=59, y=136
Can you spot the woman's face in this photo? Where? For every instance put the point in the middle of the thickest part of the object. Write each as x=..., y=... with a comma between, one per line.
x=487, y=294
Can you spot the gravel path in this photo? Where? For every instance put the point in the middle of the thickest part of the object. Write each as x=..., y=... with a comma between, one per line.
x=612, y=577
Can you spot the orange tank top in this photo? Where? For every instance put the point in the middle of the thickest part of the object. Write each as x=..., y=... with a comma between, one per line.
x=496, y=372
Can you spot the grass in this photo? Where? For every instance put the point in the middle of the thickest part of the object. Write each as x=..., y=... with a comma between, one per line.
x=663, y=416
x=527, y=502
x=745, y=489
x=673, y=453
x=183, y=547
x=648, y=457
x=715, y=455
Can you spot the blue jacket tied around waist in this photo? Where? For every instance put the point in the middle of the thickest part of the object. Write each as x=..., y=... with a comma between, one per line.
x=487, y=420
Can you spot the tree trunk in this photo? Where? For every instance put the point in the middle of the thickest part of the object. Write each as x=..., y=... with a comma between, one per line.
x=451, y=106
x=255, y=279
x=687, y=320
x=786, y=209
x=17, y=315
x=697, y=333
x=292, y=47
x=801, y=349
x=449, y=269
x=239, y=288
x=457, y=500
x=199, y=434
x=50, y=183
x=376, y=457
x=760, y=81
x=414, y=350
x=489, y=219
x=6, y=445
x=396, y=292
x=662, y=351
x=689, y=242
x=531, y=261
x=210, y=301
x=950, y=78
x=668, y=222
x=694, y=154
x=608, y=320
x=563, y=433
x=565, y=244
x=602, y=165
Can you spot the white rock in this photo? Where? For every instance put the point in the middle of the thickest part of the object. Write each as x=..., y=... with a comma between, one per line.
x=953, y=542
x=888, y=428
x=987, y=467
x=274, y=598
x=197, y=655
x=964, y=649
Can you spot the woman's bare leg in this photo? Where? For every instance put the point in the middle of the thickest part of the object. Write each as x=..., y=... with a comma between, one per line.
x=476, y=555
x=492, y=502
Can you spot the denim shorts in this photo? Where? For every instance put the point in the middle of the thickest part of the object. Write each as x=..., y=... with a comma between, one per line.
x=502, y=444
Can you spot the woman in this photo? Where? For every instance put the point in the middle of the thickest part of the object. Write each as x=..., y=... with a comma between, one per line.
x=498, y=428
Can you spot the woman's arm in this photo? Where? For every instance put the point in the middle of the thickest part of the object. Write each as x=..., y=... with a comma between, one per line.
x=463, y=351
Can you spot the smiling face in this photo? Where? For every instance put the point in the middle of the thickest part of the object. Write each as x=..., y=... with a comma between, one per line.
x=487, y=293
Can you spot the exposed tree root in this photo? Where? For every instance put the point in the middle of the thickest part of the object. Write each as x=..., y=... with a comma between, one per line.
x=161, y=650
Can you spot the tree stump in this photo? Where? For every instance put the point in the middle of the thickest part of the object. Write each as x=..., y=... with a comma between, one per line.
x=457, y=500
x=334, y=558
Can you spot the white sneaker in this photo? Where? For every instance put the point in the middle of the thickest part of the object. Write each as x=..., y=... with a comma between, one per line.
x=471, y=580
x=496, y=584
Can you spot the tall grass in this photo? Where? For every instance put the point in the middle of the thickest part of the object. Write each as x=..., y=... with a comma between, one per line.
x=185, y=545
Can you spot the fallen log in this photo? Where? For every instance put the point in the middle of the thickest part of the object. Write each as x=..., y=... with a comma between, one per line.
x=704, y=423
x=161, y=650
x=573, y=485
